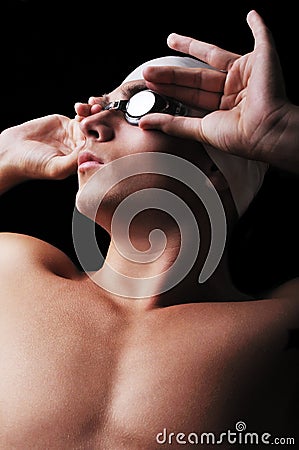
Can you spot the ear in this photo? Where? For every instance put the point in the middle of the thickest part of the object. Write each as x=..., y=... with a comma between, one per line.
x=217, y=178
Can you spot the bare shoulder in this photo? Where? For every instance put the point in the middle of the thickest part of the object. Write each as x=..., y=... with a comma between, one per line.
x=283, y=300
x=287, y=290
x=21, y=253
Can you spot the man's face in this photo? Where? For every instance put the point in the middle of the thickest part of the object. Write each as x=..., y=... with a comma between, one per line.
x=110, y=138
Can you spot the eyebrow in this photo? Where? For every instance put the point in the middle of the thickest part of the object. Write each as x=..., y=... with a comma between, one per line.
x=131, y=89
x=126, y=91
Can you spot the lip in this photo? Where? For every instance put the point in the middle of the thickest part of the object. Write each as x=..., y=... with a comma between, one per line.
x=86, y=160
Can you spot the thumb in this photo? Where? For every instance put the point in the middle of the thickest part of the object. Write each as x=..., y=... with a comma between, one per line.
x=61, y=167
x=178, y=126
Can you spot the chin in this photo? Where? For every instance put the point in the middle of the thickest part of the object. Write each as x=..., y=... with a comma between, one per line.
x=98, y=206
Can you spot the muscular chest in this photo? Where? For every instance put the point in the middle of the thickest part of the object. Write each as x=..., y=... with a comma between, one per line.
x=63, y=374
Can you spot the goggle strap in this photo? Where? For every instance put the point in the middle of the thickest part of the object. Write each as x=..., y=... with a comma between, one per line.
x=117, y=105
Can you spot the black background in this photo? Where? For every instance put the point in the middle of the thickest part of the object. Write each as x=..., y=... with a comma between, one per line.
x=56, y=53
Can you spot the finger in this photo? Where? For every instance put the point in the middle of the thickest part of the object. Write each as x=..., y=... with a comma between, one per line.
x=260, y=31
x=96, y=104
x=194, y=98
x=82, y=109
x=206, y=79
x=75, y=139
x=209, y=53
x=182, y=127
x=95, y=100
x=264, y=42
x=61, y=167
x=94, y=109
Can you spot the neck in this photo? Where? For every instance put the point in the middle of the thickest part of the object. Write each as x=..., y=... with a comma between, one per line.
x=156, y=270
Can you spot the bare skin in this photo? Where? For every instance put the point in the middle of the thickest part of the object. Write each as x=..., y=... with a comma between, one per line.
x=249, y=112
x=82, y=368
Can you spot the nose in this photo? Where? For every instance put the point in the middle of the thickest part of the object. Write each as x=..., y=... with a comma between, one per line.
x=97, y=127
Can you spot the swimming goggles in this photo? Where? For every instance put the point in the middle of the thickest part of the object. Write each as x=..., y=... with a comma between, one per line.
x=147, y=102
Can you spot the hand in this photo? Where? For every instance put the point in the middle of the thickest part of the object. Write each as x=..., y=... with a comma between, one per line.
x=87, y=109
x=245, y=99
x=43, y=148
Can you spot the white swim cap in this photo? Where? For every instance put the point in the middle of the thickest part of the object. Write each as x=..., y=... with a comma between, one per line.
x=244, y=176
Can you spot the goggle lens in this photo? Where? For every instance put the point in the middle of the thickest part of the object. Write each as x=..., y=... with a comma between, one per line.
x=146, y=102
x=140, y=104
